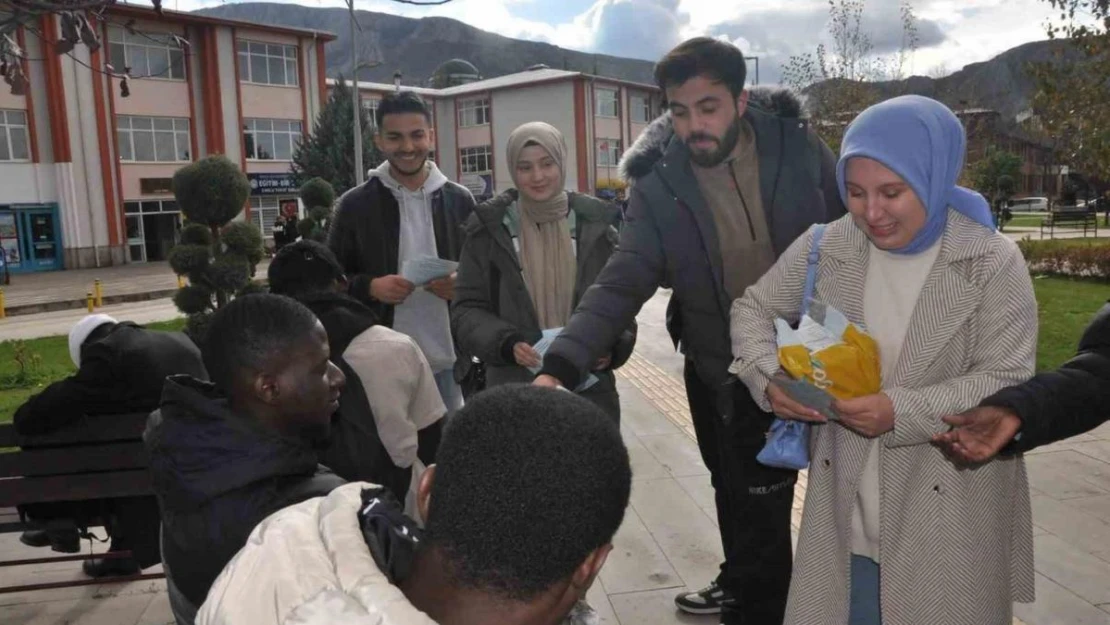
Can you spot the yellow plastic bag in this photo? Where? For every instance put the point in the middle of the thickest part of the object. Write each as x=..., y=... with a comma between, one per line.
x=830, y=353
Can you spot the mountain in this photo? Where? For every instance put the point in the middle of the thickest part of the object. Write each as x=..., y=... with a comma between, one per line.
x=417, y=47
x=1002, y=83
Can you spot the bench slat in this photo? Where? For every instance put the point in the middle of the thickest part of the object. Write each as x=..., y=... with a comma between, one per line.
x=66, y=460
x=134, y=483
x=94, y=429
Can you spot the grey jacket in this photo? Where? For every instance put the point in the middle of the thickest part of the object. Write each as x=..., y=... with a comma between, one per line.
x=669, y=238
x=493, y=311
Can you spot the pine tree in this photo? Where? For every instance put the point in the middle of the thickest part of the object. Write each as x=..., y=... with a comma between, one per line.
x=328, y=152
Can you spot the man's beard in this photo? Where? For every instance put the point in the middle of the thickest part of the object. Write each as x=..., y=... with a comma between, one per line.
x=395, y=164
x=725, y=146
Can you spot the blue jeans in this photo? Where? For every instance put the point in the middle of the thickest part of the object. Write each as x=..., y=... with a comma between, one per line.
x=864, y=608
x=449, y=390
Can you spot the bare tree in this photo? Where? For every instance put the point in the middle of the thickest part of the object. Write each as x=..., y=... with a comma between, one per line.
x=837, y=79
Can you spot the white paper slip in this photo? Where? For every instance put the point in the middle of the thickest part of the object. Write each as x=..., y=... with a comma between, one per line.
x=421, y=271
x=544, y=344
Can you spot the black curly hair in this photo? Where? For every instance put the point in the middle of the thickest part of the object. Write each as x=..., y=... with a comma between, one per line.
x=529, y=481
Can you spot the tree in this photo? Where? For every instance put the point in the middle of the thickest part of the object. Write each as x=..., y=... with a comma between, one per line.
x=218, y=259
x=319, y=197
x=1073, y=89
x=995, y=174
x=328, y=152
x=79, y=21
x=837, y=80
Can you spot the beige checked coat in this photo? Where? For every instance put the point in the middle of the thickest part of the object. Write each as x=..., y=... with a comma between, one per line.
x=956, y=543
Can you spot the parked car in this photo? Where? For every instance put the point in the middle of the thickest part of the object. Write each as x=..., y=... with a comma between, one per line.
x=1029, y=205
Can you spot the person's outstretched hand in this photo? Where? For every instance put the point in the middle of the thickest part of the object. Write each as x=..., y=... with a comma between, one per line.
x=549, y=381
x=978, y=434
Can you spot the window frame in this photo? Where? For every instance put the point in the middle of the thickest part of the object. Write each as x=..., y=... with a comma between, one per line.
x=612, y=156
x=615, y=102
x=640, y=103
x=118, y=36
x=243, y=50
x=480, y=107
x=179, y=126
x=6, y=130
x=251, y=127
x=475, y=153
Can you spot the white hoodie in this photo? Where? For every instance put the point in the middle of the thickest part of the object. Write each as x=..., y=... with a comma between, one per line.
x=423, y=316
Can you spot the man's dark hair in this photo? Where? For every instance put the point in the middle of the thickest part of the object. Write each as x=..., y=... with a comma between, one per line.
x=402, y=102
x=246, y=334
x=703, y=56
x=529, y=481
x=303, y=268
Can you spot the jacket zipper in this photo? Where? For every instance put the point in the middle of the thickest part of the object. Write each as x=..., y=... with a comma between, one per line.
x=747, y=213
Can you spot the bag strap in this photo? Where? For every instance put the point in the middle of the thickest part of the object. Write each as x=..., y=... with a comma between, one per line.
x=811, y=266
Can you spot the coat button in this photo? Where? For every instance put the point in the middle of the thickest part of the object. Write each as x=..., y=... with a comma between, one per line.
x=828, y=463
x=936, y=489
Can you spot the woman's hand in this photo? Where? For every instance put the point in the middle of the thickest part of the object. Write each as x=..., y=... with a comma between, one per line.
x=869, y=416
x=603, y=363
x=525, y=356
x=786, y=408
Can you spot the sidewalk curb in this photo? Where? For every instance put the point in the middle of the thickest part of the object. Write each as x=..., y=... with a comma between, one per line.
x=28, y=309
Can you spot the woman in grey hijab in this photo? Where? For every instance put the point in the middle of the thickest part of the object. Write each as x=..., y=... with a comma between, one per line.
x=530, y=254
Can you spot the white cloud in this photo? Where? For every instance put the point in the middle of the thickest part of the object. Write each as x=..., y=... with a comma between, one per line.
x=959, y=31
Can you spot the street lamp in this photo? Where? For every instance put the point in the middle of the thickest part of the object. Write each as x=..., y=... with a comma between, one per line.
x=356, y=95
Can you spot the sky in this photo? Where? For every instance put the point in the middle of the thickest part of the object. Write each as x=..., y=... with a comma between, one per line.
x=952, y=33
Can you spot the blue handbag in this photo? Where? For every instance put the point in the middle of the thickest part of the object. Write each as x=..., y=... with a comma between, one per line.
x=787, y=444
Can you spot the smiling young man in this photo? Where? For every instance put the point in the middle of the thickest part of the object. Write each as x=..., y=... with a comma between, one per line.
x=721, y=186
x=406, y=210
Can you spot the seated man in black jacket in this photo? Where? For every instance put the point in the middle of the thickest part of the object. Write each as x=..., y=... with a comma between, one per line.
x=1049, y=407
x=227, y=454
x=120, y=370
x=390, y=413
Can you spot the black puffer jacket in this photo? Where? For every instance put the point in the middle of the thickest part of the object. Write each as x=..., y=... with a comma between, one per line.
x=669, y=238
x=216, y=476
x=1071, y=400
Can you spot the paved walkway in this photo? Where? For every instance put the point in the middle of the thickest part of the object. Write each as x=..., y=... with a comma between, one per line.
x=59, y=290
x=669, y=540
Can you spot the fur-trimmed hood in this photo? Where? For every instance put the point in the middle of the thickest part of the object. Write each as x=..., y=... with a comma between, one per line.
x=639, y=160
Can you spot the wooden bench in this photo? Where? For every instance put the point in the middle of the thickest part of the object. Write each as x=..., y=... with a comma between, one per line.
x=1073, y=216
x=101, y=458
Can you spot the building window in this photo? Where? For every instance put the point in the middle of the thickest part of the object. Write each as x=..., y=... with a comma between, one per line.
x=271, y=139
x=474, y=113
x=370, y=105
x=640, y=109
x=606, y=102
x=476, y=160
x=153, y=228
x=153, y=139
x=267, y=63
x=14, y=145
x=608, y=152
x=148, y=55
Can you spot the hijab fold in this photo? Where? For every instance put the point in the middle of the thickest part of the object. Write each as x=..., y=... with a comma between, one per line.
x=923, y=142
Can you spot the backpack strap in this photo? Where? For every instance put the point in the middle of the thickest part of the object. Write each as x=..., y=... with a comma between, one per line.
x=811, y=266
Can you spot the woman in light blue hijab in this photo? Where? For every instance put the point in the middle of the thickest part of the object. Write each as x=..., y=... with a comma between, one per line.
x=893, y=532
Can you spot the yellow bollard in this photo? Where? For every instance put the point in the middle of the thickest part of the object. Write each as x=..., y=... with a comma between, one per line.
x=90, y=301
x=98, y=291
x=180, y=282
x=3, y=307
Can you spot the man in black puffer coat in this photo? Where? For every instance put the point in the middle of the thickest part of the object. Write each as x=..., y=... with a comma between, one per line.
x=227, y=454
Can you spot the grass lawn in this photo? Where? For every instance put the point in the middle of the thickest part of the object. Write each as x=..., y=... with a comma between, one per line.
x=1066, y=307
x=1026, y=220
x=55, y=364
